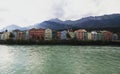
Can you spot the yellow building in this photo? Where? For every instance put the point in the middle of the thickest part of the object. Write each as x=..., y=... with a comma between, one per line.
x=89, y=36
x=6, y=35
x=48, y=34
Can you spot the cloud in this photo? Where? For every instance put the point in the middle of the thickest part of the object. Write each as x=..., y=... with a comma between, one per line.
x=58, y=11
x=58, y=8
x=29, y=12
x=76, y=9
x=3, y=10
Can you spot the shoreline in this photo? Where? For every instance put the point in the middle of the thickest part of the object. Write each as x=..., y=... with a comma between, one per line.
x=61, y=42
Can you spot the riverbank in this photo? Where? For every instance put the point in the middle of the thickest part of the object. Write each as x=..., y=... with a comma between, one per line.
x=59, y=42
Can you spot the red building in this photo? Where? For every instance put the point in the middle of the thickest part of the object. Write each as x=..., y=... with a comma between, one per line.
x=58, y=35
x=107, y=36
x=80, y=34
x=36, y=34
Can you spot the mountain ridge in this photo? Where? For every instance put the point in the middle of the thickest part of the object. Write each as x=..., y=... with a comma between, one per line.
x=105, y=22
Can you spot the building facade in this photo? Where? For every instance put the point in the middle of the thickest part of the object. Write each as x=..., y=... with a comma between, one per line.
x=1, y=35
x=54, y=35
x=85, y=36
x=27, y=35
x=32, y=33
x=114, y=36
x=99, y=36
x=72, y=35
x=36, y=34
x=20, y=35
x=107, y=36
x=40, y=34
x=94, y=35
x=48, y=34
x=58, y=35
x=80, y=34
x=89, y=36
x=63, y=35
x=15, y=33
x=6, y=36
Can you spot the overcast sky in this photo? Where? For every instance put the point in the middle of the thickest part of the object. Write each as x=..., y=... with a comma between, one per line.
x=29, y=12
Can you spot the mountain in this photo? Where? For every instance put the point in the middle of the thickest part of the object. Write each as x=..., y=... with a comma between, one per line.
x=11, y=27
x=51, y=25
x=56, y=20
x=105, y=22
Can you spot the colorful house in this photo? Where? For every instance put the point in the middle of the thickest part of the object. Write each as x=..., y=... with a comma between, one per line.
x=15, y=33
x=114, y=36
x=89, y=36
x=100, y=36
x=6, y=35
x=118, y=35
x=36, y=34
x=1, y=35
x=80, y=34
x=54, y=35
x=40, y=34
x=48, y=34
x=107, y=36
x=63, y=35
x=72, y=35
x=94, y=35
x=58, y=35
x=27, y=35
x=85, y=36
x=32, y=34
x=24, y=35
x=20, y=35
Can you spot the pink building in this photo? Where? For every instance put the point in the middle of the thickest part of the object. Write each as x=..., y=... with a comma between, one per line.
x=107, y=36
x=80, y=34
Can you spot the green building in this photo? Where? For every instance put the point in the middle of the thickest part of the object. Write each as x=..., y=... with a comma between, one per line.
x=54, y=35
x=100, y=36
x=85, y=36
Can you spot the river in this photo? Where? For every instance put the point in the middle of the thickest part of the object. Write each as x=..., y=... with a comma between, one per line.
x=38, y=59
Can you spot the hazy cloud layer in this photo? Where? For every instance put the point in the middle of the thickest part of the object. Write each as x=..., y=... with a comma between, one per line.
x=28, y=12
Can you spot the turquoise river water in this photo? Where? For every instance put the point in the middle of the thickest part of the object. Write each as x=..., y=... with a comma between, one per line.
x=38, y=59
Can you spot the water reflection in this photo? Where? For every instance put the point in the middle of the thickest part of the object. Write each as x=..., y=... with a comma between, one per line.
x=6, y=59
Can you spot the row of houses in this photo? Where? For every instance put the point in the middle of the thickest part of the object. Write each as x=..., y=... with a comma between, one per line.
x=48, y=34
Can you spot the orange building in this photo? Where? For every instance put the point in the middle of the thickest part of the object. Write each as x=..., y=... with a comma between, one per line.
x=36, y=34
x=80, y=34
x=107, y=36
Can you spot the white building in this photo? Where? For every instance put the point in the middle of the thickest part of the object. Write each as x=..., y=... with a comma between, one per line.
x=114, y=37
x=48, y=34
x=1, y=36
x=94, y=35
x=63, y=35
x=5, y=36
x=26, y=35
